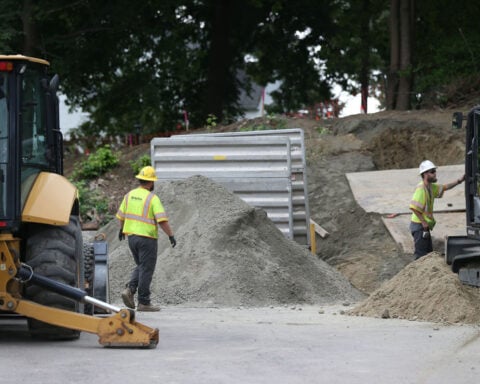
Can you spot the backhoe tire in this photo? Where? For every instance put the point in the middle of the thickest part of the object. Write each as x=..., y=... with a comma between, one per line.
x=55, y=252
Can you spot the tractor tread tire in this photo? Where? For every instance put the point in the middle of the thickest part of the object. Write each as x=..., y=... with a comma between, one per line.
x=55, y=252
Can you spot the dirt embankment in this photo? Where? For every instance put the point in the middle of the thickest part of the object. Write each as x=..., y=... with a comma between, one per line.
x=237, y=267
x=359, y=244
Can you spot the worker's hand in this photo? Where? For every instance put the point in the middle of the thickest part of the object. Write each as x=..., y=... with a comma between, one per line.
x=121, y=235
x=172, y=241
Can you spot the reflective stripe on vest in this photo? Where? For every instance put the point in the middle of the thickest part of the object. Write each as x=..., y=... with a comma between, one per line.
x=423, y=200
x=137, y=212
x=143, y=217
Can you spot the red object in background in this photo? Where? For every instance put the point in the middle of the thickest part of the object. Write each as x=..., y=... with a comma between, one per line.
x=185, y=118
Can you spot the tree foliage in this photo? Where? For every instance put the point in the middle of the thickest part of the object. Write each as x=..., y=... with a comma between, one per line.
x=144, y=63
x=284, y=48
x=447, y=49
x=357, y=53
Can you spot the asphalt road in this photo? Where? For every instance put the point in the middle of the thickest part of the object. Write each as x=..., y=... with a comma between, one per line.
x=262, y=345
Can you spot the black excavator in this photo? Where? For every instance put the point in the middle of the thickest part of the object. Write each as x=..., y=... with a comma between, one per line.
x=43, y=266
x=463, y=252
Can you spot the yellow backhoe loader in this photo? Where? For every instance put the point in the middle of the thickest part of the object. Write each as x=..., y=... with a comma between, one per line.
x=42, y=263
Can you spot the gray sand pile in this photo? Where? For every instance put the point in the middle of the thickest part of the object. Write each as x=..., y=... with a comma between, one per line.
x=227, y=254
x=427, y=290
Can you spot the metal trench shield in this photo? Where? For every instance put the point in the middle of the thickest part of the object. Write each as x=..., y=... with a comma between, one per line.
x=256, y=169
x=300, y=206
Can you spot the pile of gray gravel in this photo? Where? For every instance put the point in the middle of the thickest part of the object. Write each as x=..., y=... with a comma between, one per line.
x=228, y=254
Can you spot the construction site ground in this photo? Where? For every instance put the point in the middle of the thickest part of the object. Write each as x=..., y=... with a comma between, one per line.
x=284, y=345
x=242, y=304
x=390, y=199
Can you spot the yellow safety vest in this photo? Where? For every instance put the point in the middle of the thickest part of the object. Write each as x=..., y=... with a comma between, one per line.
x=140, y=211
x=422, y=201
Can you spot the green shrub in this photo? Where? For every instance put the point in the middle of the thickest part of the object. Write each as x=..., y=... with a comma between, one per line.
x=96, y=164
x=93, y=206
x=141, y=162
x=268, y=122
x=211, y=121
x=323, y=130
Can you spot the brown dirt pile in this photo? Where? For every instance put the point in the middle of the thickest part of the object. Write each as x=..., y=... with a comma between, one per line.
x=228, y=254
x=358, y=245
x=425, y=290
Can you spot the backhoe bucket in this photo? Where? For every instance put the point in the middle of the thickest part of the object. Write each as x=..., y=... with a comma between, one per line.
x=119, y=330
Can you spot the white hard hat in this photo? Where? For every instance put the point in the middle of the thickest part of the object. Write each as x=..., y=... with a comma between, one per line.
x=425, y=166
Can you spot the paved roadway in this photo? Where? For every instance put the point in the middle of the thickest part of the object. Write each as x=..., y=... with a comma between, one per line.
x=249, y=346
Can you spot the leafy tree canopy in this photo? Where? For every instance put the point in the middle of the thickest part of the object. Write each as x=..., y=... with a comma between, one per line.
x=143, y=63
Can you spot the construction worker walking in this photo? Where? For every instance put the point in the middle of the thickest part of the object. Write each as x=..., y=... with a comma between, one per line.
x=139, y=214
x=421, y=205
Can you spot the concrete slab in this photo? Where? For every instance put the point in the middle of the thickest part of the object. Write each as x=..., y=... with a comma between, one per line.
x=390, y=191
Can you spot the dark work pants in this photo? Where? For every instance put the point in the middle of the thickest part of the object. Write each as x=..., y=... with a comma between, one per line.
x=144, y=252
x=423, y=245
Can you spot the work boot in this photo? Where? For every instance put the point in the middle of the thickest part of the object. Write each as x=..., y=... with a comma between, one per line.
x=127, y=297
x=148, y=308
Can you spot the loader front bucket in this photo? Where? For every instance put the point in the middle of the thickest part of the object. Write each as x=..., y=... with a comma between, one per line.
x=121, y=330
x=117, y=330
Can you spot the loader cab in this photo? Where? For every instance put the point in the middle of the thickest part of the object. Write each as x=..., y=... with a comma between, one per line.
x=472, y=173
x=30, y=138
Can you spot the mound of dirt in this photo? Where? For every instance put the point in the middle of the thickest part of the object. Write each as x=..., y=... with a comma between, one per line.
x=359, y=245
x=397, y=140
x=425, y=290
x=228, y=254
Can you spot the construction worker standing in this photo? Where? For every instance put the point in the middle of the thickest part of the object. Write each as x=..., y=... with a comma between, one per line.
x=421, y=205
x=139, y=214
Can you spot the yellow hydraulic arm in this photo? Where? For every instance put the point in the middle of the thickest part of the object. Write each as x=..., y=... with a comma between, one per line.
x=118, y=330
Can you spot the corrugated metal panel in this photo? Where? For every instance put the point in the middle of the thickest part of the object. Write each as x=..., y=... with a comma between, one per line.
x=301, y=210
x=258, y=170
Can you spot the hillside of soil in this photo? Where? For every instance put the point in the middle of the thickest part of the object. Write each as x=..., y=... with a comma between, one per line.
x=358, y=246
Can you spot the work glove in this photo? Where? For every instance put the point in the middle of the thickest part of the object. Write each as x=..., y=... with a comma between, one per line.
x=172, y=241
x=121, y=235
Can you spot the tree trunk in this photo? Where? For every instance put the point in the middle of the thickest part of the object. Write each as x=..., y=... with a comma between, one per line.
x=406, y=64
x=30, y=45
x=392, y=76
x=365, y=58
x=219, y=59
x=400, y=76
